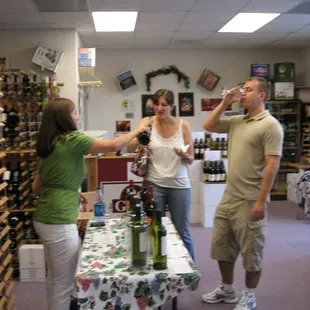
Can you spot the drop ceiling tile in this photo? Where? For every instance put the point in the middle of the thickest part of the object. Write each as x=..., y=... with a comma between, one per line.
x=292, y=19
x=154, y=34
x=25, y=26
x=21, y=18
x=114, y=5
x=220, y=17
x=157, y=26
x=219, y=5
x=267, y=6
x=162, y=17
x=14, y=6
x=67, y=17
x=191, y=35
x=167, y=5
x=201, y=26
x=284, y=28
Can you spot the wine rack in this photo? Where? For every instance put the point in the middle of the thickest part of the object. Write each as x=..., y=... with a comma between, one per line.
x=24, y=96
x=288, y=113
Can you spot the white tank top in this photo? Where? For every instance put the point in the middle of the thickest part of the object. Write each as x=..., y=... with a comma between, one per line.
x=166, y=168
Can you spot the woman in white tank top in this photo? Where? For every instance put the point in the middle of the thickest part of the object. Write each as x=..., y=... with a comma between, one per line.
x=168, y=171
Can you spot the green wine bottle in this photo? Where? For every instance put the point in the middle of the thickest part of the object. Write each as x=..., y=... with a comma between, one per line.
x=160, y=243
x=139, y=239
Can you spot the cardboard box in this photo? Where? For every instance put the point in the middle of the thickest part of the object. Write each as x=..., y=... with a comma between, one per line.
x=284, y=72
x=32, y=263
x=284, y=90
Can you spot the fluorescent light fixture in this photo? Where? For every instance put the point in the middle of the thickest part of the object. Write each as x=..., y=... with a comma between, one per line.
x=115, y=21
x=248, y=22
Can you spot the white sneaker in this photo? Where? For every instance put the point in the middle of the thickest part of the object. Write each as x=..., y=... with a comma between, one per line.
x=246, y=302
x=220, y=295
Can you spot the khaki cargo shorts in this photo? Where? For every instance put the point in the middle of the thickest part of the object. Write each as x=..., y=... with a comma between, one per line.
x=235, y=234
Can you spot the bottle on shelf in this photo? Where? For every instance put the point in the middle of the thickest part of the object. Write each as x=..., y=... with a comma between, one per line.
x=144, y=192
x=222, y=172
x=15, y=182
x=224, y=148
x=160, y=242
x=139, y=239
x=6, y=177
x=201, y=149
x=217, y=174
x=196, y=149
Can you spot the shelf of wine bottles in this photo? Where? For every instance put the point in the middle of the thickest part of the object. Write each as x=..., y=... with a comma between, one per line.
x=214, y=171
x=210, y=144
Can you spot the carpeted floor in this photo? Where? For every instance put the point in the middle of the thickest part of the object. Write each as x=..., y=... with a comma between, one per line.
x=285, y=283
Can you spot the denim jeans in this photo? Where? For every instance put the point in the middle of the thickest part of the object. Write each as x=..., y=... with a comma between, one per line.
x=179, y=202
x=61, y=246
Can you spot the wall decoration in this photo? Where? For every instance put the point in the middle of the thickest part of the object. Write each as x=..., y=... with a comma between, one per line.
x=186, y=104
x=47, y=57
x=127, y=105
x=126, y=80
x=147, y=105
x=208, y=79
x=209, y=104
x=165, y=71
x=129, y=115
x=122, y=126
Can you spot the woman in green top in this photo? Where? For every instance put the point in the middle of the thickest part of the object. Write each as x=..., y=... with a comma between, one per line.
x=61, y=169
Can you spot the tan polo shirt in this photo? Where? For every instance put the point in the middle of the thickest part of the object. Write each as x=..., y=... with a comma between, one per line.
x=250, y=140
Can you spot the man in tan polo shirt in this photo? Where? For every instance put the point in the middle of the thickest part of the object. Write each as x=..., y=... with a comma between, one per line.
x=254, y=152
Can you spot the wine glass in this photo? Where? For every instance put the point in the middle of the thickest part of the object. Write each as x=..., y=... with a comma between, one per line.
x=108, y=213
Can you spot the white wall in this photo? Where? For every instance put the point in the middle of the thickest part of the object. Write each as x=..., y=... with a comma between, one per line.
x=103, y=107
x=19, y=46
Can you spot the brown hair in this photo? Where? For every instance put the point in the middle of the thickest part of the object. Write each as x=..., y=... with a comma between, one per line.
x=56, y=123
x=168, y=94
x=263, y=85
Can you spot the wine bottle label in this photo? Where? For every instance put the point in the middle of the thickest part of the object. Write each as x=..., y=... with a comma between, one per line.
x=6, y=175
x=211, y=178
x=217, y=177
x=222, y=177
x=224, y=153
x=142, y=242
x=196, y=151
x=163, y=246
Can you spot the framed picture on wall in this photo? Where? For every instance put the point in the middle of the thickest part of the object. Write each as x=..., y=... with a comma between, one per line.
x=208, y=79
x=148, y=106
x=186, y=104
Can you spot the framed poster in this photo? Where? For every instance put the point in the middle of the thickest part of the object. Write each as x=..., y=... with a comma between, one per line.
x=122, y=126
x=126, y=80
x=208, y=79
x=209, y=104
x=186, y=104
x=47, y=57
x=148, y=106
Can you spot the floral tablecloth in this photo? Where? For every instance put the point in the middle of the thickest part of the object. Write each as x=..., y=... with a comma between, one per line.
x=105, y=278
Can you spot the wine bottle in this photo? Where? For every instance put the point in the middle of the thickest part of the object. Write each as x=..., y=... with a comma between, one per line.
x=16, y=177
x=129, y=197
x=144, y=192
x=144, y=138
x=139, y=239
x=7, y=174
x=160, y=243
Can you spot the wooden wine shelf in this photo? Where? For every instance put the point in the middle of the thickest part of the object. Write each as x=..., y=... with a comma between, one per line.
x=8, y=291
x=3, y=201
x=4, y=216
x=11, y=303
x=7, y=260
x=8, y=275
x=6, y=245
x=2, y=170
x=23, y=185
x=3, y=186
x=4, y=232
x=2, y=302
x=21, y=151
x=2, y=155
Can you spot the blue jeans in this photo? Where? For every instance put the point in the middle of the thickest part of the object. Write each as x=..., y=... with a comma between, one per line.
x=179, y=202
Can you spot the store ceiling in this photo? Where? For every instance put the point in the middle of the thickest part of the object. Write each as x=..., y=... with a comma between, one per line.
x=166, y=23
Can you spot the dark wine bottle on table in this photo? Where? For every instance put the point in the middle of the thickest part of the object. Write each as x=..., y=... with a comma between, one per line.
x=160, y=242
x=139, y=239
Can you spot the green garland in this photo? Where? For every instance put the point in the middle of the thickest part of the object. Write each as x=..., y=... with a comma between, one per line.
x=166, y=71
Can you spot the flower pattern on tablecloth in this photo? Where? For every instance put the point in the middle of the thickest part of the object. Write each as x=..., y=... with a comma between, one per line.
x=106, y=280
